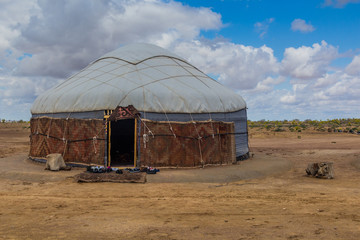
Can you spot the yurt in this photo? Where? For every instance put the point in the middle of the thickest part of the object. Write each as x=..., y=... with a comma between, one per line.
x=140, y=105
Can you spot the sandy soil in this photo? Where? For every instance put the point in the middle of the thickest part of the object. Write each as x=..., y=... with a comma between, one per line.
x=266, y=197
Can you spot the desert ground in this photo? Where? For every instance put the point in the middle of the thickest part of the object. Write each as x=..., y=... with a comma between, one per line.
x=267, y=196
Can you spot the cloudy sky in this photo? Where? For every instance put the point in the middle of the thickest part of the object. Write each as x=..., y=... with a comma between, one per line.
x=288, y=59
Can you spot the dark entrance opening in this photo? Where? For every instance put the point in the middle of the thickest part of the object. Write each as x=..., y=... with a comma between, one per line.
x=122, y=142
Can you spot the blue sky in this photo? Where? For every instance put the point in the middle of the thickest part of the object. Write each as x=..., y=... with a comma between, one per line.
x=337, y=26
x=288, y=59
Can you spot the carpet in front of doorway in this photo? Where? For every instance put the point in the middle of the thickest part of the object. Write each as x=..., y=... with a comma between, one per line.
x=126, y=177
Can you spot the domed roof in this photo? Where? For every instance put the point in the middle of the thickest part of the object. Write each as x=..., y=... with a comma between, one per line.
x=143, y=75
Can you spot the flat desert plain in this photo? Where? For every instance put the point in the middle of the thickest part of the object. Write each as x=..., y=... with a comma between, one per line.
x=267, y=196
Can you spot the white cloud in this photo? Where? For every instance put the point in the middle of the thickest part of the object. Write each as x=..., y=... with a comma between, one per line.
x=317, y=91
x=295, y=96
x=308, y=62
x=238, y=66
x=302, y=26
x=13, y=88
x=338, y=98
x=339, y=3
x=263, y=27
x=288, y=99
x=13, y=14
x=69, y=34
x=268, y=83
x=354, y=67
x=346, y=87
x=327, y=80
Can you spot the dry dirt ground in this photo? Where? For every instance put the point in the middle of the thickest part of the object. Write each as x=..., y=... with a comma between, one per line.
x=266, y=197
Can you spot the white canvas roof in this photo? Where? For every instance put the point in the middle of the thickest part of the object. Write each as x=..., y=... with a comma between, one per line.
x=146, y=76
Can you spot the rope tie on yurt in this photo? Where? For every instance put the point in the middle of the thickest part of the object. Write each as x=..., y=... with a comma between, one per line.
x=212, y=127
x=201, y=158
x=94, y=143
x=149, y=131
x=145, y=139
x=199, y=140
x=63, y=138
x=171, y=129
x=197, y=132
x=48, y=134
x=95, y=138
x=103, y=128
x=66, y=142
x=37, y=127
x=219, y=139
x=146, y=135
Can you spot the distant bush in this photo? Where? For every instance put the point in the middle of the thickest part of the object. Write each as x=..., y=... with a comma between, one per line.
x=333, y=125
x=268, y=127
x=279, y=129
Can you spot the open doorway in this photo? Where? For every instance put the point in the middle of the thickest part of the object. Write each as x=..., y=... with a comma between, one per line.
x=122, y=143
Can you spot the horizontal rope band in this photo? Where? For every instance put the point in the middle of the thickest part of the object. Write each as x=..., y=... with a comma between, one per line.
x=196, y=138
x=61, y=139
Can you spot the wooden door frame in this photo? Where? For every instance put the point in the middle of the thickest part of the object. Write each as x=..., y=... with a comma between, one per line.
x=118, y=114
